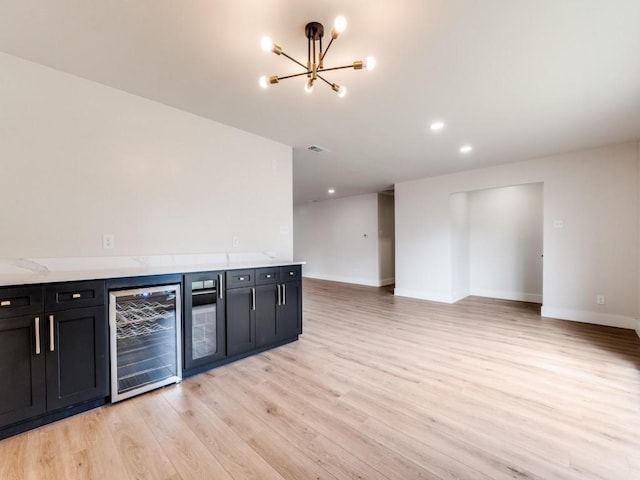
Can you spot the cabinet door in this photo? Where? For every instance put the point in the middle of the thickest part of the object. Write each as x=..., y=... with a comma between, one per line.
x=76, y=356
x=267, y=298
x=204, y=319
x=22, y=368
x=290, y=311
x=241, y=324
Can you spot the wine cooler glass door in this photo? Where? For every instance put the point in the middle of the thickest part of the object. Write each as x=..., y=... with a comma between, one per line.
x=145, y=339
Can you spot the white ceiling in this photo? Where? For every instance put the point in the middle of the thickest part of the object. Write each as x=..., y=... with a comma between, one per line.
x=517, y=79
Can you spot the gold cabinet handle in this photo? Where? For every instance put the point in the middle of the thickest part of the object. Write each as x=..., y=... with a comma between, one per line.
x=52, y=343
x=284, y=294
x=253, y=298
x=37, y=329
x=5, y=303
x=220, y=287
x=76, y=295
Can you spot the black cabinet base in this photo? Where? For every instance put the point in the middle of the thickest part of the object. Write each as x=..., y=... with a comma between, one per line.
x=49, y=418
x=204, y=368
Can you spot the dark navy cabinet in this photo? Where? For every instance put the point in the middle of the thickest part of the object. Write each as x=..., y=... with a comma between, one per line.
x=241, y=311
x=53, y=349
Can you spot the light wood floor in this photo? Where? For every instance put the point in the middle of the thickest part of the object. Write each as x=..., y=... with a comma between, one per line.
x=378, y=387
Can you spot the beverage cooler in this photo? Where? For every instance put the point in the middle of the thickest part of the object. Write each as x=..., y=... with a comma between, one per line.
x=204, y=320
x=145, y=335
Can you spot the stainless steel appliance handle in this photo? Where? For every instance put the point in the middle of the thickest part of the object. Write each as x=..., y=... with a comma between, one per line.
x=284, y=294
x=37, y=329
x=220, y=287
x=52, y=343
x=253, y=298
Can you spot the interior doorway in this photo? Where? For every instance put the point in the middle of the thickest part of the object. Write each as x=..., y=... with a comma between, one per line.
x=497, y=243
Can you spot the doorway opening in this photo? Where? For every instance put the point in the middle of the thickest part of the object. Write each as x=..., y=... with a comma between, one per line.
x=497, y=243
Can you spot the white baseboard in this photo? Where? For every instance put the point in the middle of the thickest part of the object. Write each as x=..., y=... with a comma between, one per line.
x=431, y=296
x=508, y=295
x=457, y=296
x=597, y=318
x=355, y=280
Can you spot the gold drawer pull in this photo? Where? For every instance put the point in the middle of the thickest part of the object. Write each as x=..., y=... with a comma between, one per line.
x=5, y=303
x=76, y=295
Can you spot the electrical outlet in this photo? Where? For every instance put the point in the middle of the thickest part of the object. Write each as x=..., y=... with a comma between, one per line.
x=108, y=240
x=600, y=299
x=235, y=241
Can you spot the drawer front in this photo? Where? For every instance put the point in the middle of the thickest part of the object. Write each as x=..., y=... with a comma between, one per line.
x=266, y=275
x=17, y=301
x=63, y=296
x=240, y=278
x=290, y=273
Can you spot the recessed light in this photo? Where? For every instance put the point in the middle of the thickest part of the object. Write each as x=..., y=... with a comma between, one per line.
x=331, y=191
x=466, y=149
x=437, y=126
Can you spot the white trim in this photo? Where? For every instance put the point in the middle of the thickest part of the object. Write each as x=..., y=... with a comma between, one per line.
x=508, y=295
x=431, y=296
x=337, y=278
x=607, y=319
x=457, y=296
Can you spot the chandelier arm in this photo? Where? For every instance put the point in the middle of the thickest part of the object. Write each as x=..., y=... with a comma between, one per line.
x=325, y=80
x=323, y=54
x=295, y=61
x=336, y=68
x=293, y=76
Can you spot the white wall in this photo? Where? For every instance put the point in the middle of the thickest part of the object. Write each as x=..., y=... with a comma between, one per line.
x=595, y=193
x=338, y=239
x=79, y=159
x=386, y=239
x=460, y=283
x=505, y=242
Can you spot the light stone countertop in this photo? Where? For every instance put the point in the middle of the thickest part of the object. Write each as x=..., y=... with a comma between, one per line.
x=24, y=271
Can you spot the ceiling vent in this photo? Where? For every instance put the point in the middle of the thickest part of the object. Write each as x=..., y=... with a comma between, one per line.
x=317, y=149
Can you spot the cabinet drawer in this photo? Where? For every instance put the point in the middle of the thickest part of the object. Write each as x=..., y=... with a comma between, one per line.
x=18, y=301
x=63, y=296
x=290, y=273
x=240, y=278
x=266, y=275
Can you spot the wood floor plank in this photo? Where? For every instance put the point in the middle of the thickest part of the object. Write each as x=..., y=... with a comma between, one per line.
x=186, y=451
x=238, y=458
x=377, y=387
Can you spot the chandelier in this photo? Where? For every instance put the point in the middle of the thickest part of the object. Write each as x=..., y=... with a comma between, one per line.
x=314, y=68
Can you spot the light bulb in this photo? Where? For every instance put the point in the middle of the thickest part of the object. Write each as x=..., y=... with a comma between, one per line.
x=437, y=126
x=370, y=63
x=466, y=149
x=340, y=24
x=266, y=43
x=342, y=91
x=263, y=82
x=308, y=87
